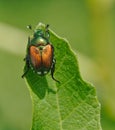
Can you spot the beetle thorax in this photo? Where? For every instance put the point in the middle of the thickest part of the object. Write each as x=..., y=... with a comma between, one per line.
x=41, y=41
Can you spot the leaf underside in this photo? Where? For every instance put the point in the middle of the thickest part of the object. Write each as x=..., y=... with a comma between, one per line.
x=69, y=105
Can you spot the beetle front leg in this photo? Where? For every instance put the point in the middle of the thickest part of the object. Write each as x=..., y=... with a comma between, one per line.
x=26, y=59
x=52, y=71
x=28, y=66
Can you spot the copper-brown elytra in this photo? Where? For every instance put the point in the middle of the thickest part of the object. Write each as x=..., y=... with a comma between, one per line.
x=40, y=52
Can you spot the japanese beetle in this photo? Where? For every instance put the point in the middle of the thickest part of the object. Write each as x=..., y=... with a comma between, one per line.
x=40, y=52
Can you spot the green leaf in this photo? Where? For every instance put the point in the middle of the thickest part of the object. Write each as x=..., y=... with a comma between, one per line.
x=69, y=105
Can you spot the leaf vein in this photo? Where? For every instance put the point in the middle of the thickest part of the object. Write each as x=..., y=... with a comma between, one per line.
x=59, y=114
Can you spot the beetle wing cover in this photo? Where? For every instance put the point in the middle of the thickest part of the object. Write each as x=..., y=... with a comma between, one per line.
x=35, y=57
x=47, y=56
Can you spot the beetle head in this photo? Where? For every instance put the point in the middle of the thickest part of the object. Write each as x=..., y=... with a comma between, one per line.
x=42, y=31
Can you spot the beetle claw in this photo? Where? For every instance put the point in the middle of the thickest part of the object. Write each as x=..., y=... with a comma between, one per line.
x=55, y=79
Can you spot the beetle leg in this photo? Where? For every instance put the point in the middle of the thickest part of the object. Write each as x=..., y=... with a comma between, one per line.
x=52, y=70
x=27, y=68
x=27, y=59
x=29, y=41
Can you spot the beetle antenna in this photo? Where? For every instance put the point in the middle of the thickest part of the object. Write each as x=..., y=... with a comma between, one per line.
x=47, y=26
x=29, y=27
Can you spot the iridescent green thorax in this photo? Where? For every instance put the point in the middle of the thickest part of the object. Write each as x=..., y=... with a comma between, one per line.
x=39, y=40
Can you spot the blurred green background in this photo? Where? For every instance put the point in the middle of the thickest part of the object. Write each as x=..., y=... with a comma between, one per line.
x=89, y=26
